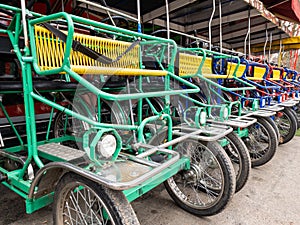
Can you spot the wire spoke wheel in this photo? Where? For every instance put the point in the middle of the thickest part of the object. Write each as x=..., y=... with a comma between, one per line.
x=297, y=113
x=80, y=201
x=83, y=205
x=261, y=142
x=286, y=122
x=240, y=158
x=206, y=188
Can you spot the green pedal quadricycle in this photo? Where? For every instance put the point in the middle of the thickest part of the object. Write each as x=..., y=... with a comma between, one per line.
x=101, y=151
x=215, y=73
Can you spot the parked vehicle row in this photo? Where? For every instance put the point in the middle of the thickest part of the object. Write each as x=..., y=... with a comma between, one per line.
x=93, y=116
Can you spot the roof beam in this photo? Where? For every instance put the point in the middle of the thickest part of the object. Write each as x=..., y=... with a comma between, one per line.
x=173, y=26
x=162, y=10
x=103, y=11
x=225, y=19
x=243, y=32
x=258, y=41
x=229, y=28
x=158, y=22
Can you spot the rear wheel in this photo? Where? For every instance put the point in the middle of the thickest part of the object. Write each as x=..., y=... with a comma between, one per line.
x=287, y=125
x=240, y=159
x=274, y=125
x=207, y=187
x=297, y=112
x=261, y=142
x=294, y=111
x=81, y=201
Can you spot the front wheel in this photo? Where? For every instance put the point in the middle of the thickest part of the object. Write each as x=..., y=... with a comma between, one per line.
x=240, y=158
x=287, y=124
x=78, y=201
x=261, y=142
x=271, y=121
x=296, y=110
x=207, y=187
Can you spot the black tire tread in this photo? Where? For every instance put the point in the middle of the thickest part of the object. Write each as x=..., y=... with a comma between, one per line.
x=273, y=124
x=272, y=147
x=244, y=155
x=293, y=124
x=230, y=184
x=116, y=201
x=296, y=116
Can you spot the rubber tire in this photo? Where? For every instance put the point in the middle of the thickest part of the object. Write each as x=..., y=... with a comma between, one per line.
x=229, y=184
x=297, y=113
x=244, y=159
x=293, y=123
x=115, y=201
x=273, y=124
x=296, y=116
x=272, y=146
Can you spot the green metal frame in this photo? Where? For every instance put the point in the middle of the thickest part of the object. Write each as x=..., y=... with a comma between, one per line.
x=28, y=61
x=211, y=84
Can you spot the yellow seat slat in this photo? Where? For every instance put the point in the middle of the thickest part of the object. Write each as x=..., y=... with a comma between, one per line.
x=258, y=72
x=231, y=67
x=50, y=55
x=188, y=64
x=276, y=75
x=206, y=69
x=117, y=71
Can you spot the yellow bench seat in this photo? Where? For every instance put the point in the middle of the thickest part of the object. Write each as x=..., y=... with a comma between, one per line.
x=50, y=55
x=189, y=65
x=97, y=70
x=117, y=71
x=254, y=78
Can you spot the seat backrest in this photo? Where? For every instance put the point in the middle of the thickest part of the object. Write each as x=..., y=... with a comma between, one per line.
x=276, y=75
x=231, y=66
x=258, y=72
x=50, y=51
x=207, y=66
x=188, y=64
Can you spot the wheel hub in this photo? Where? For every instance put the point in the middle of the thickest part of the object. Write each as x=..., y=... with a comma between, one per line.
x=193, y=174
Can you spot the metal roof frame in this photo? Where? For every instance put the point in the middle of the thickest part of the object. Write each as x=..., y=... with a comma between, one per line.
x=192, y=17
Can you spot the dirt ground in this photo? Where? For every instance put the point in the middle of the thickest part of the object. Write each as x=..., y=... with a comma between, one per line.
x=271, y=196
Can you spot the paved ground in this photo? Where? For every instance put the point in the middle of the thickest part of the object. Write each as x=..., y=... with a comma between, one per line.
x=271, y=196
